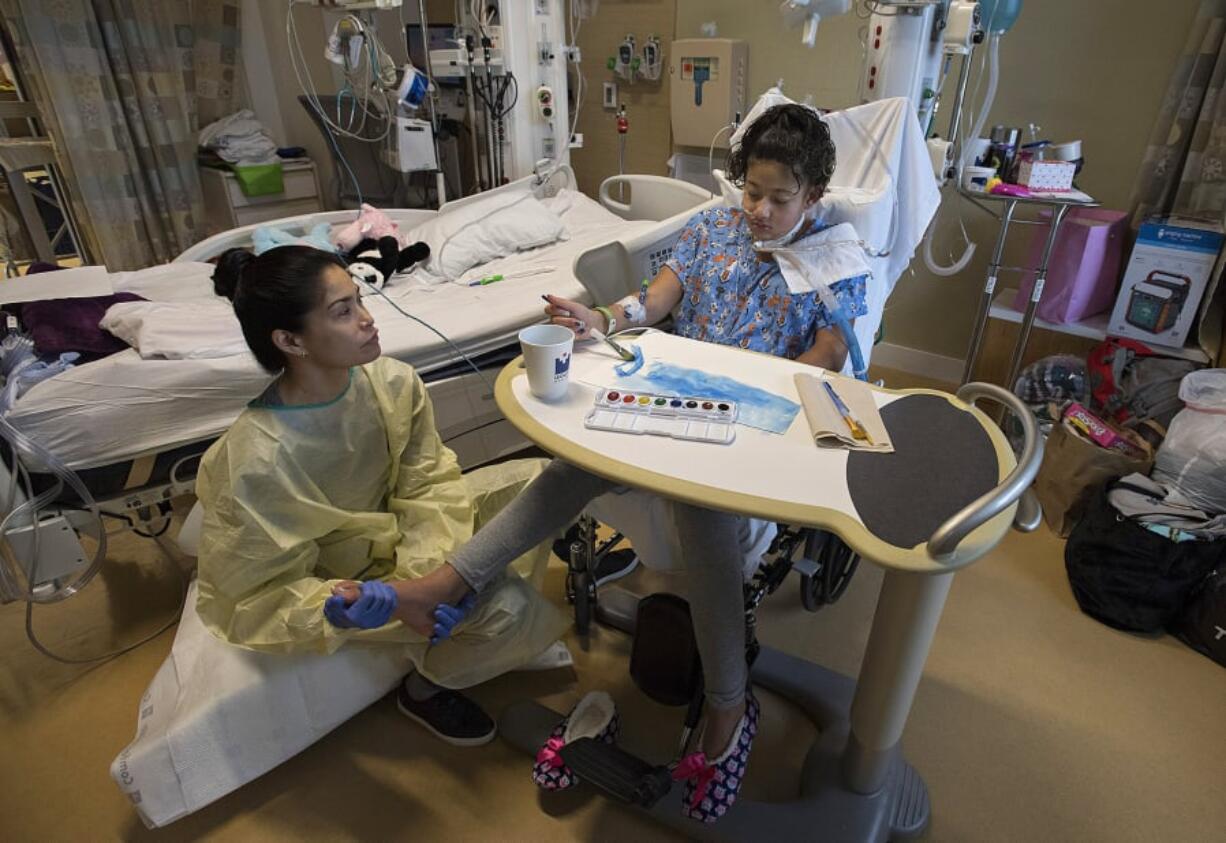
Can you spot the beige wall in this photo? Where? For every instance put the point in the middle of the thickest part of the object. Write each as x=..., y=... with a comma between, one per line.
x=274, y=90
x=828, y=72
x=649, y=141
x=273, y=87
x=1094, y=69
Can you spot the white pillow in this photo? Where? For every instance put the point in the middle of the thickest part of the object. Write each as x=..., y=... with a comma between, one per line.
x=185, y=281
x=177, y=330
x=479, y=232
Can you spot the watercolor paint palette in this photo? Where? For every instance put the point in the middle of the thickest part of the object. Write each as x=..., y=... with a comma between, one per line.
x=693, y=418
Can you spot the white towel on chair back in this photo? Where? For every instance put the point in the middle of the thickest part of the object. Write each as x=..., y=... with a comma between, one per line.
x=881, y=159
x=647, y=521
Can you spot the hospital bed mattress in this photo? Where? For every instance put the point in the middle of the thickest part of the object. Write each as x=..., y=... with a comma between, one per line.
x=123, y=407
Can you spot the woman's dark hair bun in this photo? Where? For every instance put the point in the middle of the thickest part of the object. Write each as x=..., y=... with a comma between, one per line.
x=229, y=270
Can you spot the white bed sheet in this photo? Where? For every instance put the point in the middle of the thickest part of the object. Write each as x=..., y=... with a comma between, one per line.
x=123, y=406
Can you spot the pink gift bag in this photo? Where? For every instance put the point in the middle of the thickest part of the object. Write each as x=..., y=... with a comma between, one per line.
x=1084, y=268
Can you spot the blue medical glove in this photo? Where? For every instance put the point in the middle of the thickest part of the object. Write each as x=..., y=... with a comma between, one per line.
x=446, y=616
x=334, y=612
x=371, y=610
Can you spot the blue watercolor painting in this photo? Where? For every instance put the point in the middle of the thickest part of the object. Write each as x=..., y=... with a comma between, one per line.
x=758, y=408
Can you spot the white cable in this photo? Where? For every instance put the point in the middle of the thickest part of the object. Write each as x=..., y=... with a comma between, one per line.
x=711, y=152
x=20, y=443
x=299, y=64
x=993, y=59
x=379, y=292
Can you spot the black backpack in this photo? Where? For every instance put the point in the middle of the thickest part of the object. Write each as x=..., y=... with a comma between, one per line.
x=1129, y=577
x=1202, y=626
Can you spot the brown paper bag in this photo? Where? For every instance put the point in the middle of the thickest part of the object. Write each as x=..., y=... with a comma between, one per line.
x=1072, y=468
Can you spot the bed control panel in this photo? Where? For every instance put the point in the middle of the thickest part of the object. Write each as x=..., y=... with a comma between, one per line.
x=656, y=259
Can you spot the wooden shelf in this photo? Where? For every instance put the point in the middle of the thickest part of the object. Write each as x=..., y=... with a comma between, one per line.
x=1095, y=327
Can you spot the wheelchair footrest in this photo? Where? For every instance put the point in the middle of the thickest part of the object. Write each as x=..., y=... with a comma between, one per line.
x=617, y=772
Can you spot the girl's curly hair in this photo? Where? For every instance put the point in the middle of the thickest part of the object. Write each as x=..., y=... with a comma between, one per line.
x=789, y=134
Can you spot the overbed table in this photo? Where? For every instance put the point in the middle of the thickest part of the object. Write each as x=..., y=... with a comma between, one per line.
x=944, y=499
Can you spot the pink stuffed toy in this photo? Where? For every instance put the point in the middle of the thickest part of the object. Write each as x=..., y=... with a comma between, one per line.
x=371, y=224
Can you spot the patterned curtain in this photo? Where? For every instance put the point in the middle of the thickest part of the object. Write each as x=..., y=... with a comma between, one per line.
x=124, y=86
x=1184, y=169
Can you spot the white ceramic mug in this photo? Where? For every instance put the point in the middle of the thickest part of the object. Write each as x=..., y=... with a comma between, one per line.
x=547, y=352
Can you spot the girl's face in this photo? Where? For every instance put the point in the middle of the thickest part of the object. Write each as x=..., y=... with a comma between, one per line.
x=339, y=332
x=774, y=200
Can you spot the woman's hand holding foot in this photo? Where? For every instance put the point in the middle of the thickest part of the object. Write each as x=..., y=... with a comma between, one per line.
x=420, y=602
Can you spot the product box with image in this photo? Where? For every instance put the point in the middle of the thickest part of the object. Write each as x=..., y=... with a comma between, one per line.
x=1165, y=279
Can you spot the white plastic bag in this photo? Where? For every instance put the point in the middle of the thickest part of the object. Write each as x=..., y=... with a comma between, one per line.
x=1192, y=459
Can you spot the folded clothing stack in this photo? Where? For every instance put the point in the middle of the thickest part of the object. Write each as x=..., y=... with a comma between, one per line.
x=243, y=142
x=239, y=139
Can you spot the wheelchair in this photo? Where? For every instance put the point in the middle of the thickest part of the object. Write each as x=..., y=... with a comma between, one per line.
x=826, y=566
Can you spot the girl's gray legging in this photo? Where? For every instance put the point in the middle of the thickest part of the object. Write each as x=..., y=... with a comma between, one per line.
x=710, y=546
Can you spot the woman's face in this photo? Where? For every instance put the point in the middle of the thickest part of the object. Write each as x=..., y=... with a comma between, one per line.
x=773, y=199
x=339, y=332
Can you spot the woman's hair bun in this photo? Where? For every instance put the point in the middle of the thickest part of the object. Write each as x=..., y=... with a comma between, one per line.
x=229, y=271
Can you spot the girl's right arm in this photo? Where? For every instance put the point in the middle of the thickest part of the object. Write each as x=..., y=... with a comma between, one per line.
x=662, y=296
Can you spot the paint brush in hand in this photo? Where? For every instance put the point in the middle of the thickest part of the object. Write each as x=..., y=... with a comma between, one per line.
x=628, y=356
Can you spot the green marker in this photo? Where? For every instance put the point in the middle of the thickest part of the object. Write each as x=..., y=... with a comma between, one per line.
x=489, y=279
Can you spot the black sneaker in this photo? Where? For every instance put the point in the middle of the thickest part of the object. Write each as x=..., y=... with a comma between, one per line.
x=450, y=715
x=614, y=565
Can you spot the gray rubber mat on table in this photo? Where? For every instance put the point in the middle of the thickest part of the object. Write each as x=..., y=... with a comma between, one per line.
x=942, y=460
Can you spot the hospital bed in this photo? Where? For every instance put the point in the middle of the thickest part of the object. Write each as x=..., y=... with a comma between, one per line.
x=134, y=429
x=195, y=745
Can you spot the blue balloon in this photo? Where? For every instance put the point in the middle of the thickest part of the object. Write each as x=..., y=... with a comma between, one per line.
x=999, y=15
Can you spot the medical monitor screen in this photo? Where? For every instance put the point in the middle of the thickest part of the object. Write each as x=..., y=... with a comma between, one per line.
x=439, y=36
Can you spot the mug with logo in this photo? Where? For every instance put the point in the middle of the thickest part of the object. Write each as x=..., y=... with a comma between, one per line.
x=547, y=351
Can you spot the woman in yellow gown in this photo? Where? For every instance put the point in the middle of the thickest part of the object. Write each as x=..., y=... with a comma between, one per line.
x=337, y=474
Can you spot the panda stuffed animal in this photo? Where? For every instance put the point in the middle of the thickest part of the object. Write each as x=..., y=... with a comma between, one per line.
x=375, y=261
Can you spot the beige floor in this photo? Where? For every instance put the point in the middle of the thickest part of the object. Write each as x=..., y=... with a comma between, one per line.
x=1032, y=722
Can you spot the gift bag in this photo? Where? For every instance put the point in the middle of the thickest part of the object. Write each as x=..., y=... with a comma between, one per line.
x=1084, y=266
x=1072, y=470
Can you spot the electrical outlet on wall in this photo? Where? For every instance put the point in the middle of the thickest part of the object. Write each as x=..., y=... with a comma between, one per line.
x=609, y=99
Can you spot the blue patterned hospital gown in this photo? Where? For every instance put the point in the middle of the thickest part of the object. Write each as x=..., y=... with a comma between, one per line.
x=732, y=297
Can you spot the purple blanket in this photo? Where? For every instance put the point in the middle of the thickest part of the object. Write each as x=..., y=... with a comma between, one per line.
x=59, y=325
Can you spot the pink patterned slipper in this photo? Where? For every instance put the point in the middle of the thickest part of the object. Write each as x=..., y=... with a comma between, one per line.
x=594, y=716
x=712, y=787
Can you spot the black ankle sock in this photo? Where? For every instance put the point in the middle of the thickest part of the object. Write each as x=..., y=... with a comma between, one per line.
x=419, y=688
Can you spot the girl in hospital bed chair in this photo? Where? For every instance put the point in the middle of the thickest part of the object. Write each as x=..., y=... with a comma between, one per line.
x=730, y=293
x=335, y=482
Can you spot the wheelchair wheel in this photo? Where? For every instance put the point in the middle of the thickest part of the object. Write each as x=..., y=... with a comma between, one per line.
x=836, y=564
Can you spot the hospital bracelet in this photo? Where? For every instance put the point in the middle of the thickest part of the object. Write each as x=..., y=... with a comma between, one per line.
x=608, y=315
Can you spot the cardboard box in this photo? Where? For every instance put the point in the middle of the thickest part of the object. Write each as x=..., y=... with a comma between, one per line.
x=1165, y=280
